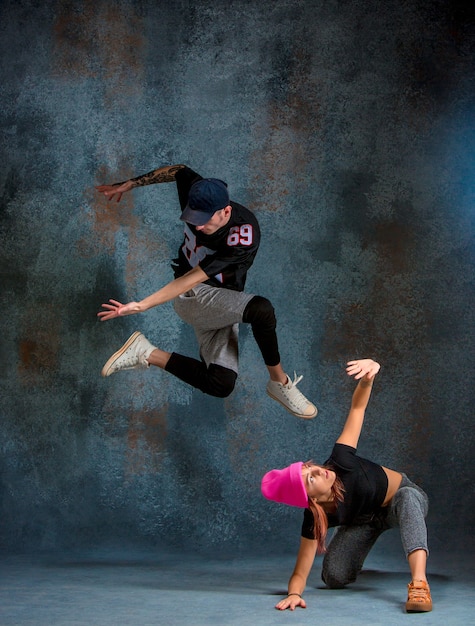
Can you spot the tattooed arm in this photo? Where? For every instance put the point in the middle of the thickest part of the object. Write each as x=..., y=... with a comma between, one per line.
x=164, y=174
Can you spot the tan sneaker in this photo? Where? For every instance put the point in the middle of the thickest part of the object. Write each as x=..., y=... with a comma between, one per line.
x=133, y=355
x=291, y=398
x=418, y=597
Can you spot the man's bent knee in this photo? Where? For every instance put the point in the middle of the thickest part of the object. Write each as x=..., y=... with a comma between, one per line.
x=221, y=381
x=259, y=312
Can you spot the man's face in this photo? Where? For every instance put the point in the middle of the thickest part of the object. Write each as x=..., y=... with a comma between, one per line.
x=219, y=219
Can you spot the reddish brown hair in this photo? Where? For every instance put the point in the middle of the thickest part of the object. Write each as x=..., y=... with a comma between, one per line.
x=320, y=519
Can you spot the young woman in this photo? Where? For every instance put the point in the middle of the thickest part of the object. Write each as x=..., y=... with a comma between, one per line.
x=362, y=498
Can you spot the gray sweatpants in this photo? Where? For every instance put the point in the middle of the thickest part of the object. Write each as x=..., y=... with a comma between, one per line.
x=350, y=545
x=215, y=315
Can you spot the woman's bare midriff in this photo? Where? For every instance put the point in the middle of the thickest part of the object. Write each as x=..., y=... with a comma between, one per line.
x=394, y=480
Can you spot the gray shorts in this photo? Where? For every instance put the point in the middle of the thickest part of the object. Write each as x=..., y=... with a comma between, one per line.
x=215, y=314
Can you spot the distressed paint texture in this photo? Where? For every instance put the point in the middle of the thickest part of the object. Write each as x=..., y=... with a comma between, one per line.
x=348, y=128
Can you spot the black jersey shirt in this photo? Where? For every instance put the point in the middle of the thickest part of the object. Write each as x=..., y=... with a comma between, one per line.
x=365, y=486
x=226, y=255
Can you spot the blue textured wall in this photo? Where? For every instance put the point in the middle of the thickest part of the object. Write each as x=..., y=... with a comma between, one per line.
x=348, y=128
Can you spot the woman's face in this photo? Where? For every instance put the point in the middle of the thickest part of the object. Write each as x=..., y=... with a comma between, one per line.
x=318, y=481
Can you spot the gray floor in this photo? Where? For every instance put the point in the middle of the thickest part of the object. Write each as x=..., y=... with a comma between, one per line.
x=135, y=588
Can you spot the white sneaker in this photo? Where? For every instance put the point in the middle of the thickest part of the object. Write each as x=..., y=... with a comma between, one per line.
x=291, y=398
x=133, y=355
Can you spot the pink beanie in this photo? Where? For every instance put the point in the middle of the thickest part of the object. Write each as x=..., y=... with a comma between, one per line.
x=286, y=486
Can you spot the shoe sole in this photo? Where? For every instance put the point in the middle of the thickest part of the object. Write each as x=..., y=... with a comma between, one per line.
x=303, y=417
x=413, y=608
x=107, y=367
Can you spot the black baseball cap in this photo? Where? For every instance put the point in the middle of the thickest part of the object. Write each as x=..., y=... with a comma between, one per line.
x=206, y=196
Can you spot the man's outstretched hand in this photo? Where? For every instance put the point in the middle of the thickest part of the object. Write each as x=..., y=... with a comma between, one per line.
x=116, y=309
x=111, y=191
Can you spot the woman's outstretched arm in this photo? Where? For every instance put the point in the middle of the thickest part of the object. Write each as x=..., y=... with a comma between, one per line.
x=364, y=371
x=298, y=580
